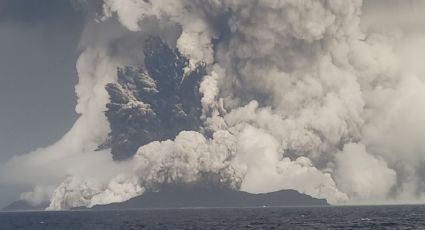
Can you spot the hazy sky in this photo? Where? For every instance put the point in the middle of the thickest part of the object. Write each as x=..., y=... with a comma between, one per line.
x=38, y=51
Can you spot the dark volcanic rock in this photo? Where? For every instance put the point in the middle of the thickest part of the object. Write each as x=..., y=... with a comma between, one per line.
x=184, y=196
x=152, y=103
x=22, y=205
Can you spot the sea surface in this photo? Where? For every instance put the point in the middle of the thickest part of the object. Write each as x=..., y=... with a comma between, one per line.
x=359, y=217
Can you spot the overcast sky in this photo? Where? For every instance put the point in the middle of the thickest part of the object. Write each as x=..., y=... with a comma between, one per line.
x=38, y=51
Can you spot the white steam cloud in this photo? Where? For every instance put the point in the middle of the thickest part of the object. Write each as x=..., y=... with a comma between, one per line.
x=316, y=96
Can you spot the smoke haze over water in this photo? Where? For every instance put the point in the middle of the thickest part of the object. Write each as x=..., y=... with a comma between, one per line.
x=325, y=97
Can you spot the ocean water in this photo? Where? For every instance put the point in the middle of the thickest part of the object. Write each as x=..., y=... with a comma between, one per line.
x=364, y=217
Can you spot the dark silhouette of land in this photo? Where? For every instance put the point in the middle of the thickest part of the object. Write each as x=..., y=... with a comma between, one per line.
x=213, y=197
x=189, y=196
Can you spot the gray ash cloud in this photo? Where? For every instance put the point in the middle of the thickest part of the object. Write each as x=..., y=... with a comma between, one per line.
x=154, y=102
x=311, y=95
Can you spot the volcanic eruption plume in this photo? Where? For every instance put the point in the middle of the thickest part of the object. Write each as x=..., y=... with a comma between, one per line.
x=326, y=97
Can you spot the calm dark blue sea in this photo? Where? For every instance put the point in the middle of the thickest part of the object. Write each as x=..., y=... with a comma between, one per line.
x=364, y=217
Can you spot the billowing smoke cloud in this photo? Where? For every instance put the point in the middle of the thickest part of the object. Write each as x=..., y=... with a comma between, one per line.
x=305, y=95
